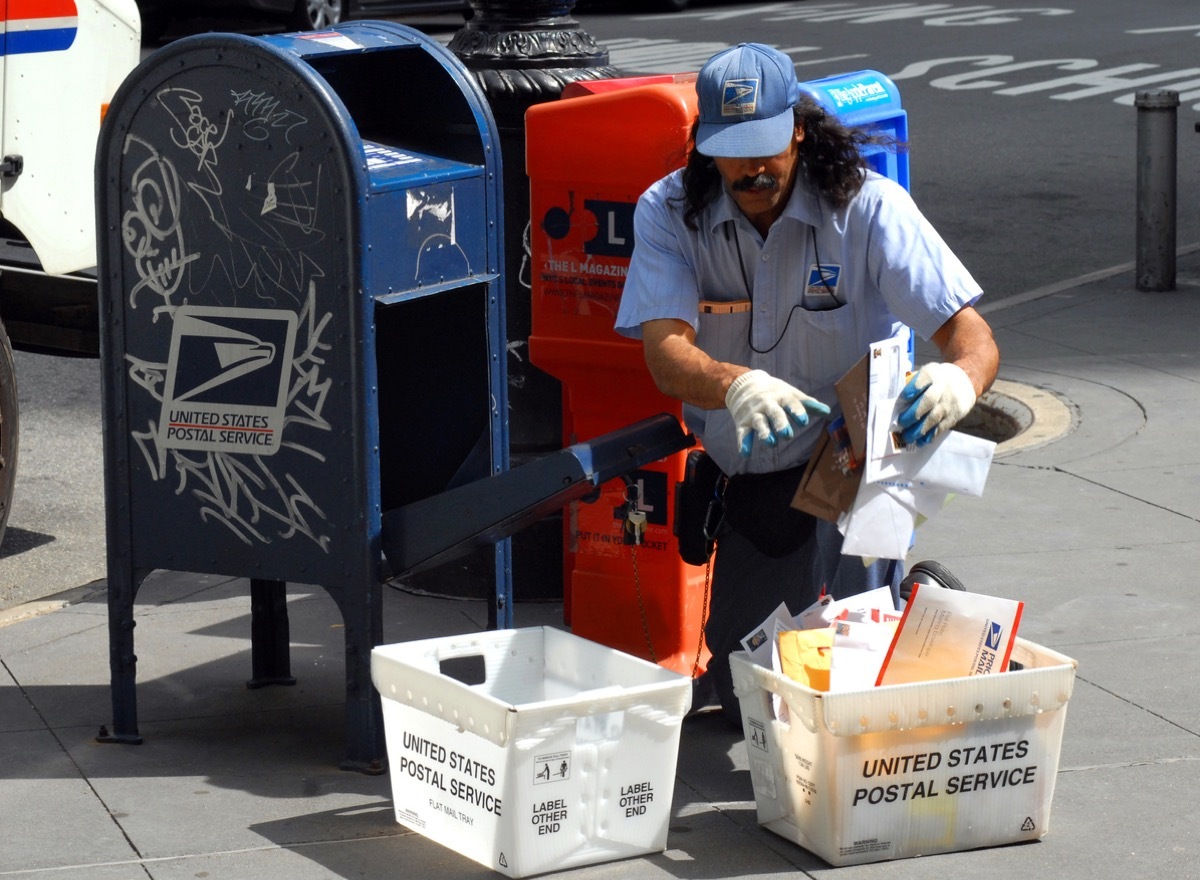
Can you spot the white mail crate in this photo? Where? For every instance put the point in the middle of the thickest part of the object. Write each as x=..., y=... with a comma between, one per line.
x=910, y=769
x=531, y=750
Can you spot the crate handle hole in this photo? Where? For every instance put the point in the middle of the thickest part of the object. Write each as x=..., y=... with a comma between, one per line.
x=468, y=670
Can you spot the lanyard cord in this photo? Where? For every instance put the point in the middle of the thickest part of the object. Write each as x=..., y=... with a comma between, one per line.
x=750, y=294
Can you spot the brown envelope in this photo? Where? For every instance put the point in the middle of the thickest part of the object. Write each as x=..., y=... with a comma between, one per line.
x=852, y=390
x=825, y=491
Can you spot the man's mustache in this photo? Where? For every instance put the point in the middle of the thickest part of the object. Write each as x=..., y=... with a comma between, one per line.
x=760, y=181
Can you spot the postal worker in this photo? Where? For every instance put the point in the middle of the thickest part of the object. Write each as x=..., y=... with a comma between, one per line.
x=761, y=272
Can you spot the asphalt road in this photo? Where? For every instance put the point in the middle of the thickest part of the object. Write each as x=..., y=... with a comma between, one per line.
x=1022, y=130
x=55, y=538
x=1023, y=142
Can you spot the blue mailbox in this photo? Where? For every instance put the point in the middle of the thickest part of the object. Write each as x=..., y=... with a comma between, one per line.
x=302, y=309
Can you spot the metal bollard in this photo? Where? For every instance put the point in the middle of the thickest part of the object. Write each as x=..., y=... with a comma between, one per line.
x=1156, y=147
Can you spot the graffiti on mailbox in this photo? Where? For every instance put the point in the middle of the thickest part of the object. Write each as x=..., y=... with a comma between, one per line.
x=234, y=357
x=151, y=228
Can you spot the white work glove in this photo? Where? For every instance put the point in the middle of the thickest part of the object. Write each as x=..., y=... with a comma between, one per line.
x=766, y=407
x=941, y=394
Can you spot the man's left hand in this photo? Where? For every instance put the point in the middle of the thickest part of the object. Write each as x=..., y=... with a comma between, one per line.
x=941, y=394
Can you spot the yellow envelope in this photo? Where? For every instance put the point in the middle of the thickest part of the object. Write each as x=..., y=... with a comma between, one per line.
x=805, y=656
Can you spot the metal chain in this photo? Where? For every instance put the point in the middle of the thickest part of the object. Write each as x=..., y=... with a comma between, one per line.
x=703, y=616
x=637, y=584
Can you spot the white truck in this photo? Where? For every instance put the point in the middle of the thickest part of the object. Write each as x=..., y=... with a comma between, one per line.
x=61, y=63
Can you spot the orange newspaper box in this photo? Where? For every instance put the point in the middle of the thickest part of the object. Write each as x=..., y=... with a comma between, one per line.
x=589, y=157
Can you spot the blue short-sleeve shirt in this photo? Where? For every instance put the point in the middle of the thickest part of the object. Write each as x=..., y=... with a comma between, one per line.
x=824, y=285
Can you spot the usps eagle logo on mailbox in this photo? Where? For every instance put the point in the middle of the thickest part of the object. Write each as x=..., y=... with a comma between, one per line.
x=740, y=97
x=33, y=26
x=227, y=380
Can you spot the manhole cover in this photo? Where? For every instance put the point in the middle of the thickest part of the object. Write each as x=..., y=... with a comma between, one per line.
x=1017, y=417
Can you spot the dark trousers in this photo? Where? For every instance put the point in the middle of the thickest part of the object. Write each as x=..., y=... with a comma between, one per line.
x=748, y=586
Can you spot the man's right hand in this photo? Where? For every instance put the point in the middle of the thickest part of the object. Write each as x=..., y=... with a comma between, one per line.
x=765, y=407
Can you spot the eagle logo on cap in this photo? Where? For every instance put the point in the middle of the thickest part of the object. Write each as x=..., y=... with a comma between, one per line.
x=740, y=97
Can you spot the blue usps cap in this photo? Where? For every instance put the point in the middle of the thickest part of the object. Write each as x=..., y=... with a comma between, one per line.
x=746, y=95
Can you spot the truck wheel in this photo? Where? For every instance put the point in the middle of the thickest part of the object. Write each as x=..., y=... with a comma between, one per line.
x=9, y=429
x=312, y=15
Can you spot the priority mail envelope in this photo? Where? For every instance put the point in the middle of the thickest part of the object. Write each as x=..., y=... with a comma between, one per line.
x=951, y=634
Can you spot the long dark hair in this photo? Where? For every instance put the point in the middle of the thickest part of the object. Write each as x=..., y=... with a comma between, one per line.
x=831, y=160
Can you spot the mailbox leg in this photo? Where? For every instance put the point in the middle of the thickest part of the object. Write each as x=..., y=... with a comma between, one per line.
x=270, y=635
x=123, y=583
x=362, y=614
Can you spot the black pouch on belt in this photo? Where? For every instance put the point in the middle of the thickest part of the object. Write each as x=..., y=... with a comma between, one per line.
x=698, y=508
x=759, y=508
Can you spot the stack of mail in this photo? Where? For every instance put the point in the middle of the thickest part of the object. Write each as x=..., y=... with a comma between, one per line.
x=876, y=489
x=833, y=645
x=864, y=641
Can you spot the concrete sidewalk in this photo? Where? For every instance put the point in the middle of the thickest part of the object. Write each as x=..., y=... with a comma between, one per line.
x=1096, y=530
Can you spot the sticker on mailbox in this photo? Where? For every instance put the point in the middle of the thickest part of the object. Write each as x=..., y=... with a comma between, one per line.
x=226, y=383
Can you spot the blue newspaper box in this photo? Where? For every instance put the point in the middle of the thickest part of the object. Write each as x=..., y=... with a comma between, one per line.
x=302, y=325
x=868, y=98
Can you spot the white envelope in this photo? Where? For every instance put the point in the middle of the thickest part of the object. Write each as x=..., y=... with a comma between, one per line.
x=902, y=483
x=878, y=525
x=814, y=616
x=924, y=502
x=888, y=365
x=953, y=462
x=860, y=606
x=859, y=648
x=759, y=641
x=781, y=624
